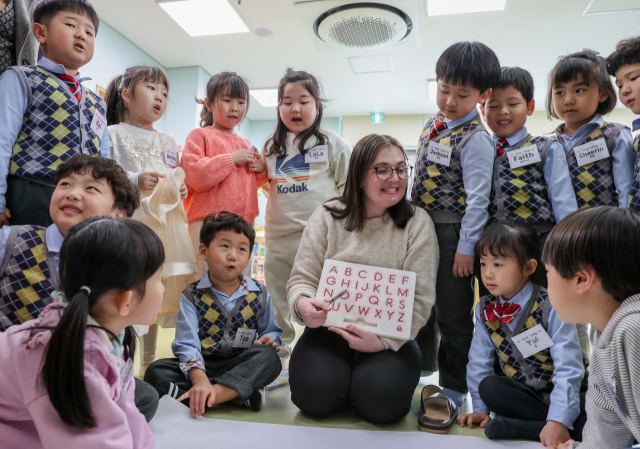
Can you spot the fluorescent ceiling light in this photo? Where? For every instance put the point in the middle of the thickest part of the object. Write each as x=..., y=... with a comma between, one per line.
x=432, y=90
x=205, y=17
x=268, y=98
x=444, y=7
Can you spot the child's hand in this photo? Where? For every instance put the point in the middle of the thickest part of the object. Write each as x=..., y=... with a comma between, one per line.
x=463, y=265
x=473, y=418
x=267, y=341
x=198, y=395
x=257, y=165
x=242, y=156
x=184, y=191
x=554, y=434
x=360, y=339
x=147, y=180
x=4, y=218
x=313, y=311
x=564, y=445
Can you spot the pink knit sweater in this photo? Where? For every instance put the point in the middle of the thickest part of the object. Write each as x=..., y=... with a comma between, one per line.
x=215, y=183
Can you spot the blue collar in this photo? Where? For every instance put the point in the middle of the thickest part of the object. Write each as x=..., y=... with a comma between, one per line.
x=54, y=239
x=597, y=120
x=454, y=123
x=205, y=282
x=522, y=297
x=512, y=140
x=636, y=124
x=58, y=69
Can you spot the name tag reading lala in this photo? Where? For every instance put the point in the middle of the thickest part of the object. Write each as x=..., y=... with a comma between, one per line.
x=319, y=153
x=438, y=153
x=377, y=299
x=591, y=152
x=523, y=156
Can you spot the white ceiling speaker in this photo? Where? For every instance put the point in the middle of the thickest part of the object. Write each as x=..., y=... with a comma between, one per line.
x=361, y=26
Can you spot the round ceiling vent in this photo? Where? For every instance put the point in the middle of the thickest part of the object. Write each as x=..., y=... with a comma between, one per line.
x=363, y=25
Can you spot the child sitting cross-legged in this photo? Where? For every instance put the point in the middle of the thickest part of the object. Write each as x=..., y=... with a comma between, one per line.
x=539, y=397
x=227, y=336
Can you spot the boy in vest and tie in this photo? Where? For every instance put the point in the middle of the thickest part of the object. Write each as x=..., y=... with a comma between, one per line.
x=47, y=116
x=453, y=184
x=227, y=336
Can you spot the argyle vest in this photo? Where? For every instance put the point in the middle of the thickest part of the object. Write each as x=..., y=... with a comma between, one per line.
x=634, y=193
x=593, y=183
x=29, y=276
x=55, y=126
x=218, y=326
x=521, y=194
x=437, y=187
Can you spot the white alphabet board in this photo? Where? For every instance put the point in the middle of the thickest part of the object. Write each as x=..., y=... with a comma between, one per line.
x=377, y=299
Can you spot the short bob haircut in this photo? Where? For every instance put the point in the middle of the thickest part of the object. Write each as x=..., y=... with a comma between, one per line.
x=519, y=79
x=226, y=221
x=627, y=53
x=353, y=207
x=605, y=238
x=46, y=10
x=469, y=64
x=594, y=71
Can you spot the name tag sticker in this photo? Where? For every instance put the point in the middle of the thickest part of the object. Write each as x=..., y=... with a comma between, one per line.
x=253, y=149
x=318, y=153
x=170, y=157
x=523, y=156
x=244, y=338
x=126, y=374
x=591, y=152
x=438, y=153
x=98, y=123
x=532, y=341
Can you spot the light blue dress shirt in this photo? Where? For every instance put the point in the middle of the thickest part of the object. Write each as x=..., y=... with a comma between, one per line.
x=556, y=174
x=12, y=109
x=565, y=352
x=53, y=238
x=187, y=343
x=624, y=158
x=476, y=157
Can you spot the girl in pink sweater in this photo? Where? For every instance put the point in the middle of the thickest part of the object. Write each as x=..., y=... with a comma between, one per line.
x=67, y=376
x=224, y=171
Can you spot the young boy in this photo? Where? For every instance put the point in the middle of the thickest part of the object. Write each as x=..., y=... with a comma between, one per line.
x=624, y=65
x=593, y=260
x=220, y=317
x=453, y=184
x=46, y=115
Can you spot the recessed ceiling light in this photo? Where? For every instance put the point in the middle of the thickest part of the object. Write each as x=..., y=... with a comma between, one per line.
x=444, y=7
x=432, y=90
x=205, y=17
x=268, y=98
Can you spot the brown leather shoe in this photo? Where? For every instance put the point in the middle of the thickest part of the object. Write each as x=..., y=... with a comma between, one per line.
x=437, y=411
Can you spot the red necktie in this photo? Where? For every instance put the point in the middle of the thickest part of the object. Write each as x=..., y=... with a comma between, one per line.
x=437, y=127
x=501, y=144
x=75, y=88
x=505, y=313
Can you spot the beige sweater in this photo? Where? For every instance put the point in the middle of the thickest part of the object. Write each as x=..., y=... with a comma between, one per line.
x=380, y=244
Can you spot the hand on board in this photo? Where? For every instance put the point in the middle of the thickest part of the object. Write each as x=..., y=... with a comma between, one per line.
x=554, y=434
x=463, y=265
x=313, y=311
x=360, y=339
x=200, y=395
x=4, y=218
x=473, y=418
x=267, y=341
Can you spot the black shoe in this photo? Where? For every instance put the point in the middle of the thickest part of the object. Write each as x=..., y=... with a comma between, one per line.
x=165, y=387
x=255, y=401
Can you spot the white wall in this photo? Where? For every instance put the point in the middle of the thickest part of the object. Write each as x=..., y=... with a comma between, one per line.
x=406, y=128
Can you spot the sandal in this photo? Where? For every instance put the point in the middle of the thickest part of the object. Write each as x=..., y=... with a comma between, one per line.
x=437, y=413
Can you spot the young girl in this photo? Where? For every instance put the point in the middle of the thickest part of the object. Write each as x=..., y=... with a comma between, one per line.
x=307, y=165
x=580, y=93
x=135, y=101
x=538, y=398
x=67, y=375
x=223, y=171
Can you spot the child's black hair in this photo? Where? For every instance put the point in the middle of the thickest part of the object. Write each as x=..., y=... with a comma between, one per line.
x=627, y=53
x=226, y=221
x=605, y=238
x=594, y=71
x=224, y=83
x=469, y=63
x=45, y=10
x=106, y=255
x=518, y=78
x=125, y=193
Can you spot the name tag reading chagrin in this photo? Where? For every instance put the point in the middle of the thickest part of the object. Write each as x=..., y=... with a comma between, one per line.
x=523, y=156
x=591, y=152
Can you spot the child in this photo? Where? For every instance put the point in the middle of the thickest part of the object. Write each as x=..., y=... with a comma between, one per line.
x=453, y=184
x=110, y=280
x=538, y=397
x=223, y=173
x=624, y=64
x=135, y=101
x=593, y=259
x=300, y=181
x=46, y=115
x=215, y=344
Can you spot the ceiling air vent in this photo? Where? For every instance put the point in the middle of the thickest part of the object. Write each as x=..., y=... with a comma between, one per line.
x=373, y=25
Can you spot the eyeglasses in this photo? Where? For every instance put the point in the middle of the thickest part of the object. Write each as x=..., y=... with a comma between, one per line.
x=385, y=172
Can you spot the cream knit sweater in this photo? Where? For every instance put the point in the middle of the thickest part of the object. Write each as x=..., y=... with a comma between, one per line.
x=381, y=244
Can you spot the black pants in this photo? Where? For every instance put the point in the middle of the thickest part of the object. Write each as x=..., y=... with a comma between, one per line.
x=28, y=202
x=146, y=399
x=327, y=376
x=244, y=372
x=453, y=315
x=513, y=399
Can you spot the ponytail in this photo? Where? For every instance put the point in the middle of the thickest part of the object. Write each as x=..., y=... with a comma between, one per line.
x=116, y=109
x=206, y=116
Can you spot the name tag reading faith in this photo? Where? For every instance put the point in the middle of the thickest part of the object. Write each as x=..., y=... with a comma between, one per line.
x=319, y=153
x=532, y=341
x=244, y=338
x=591, y=152
x=170, y=157
x=98, y=124
x=438, y=153
x=523, y=156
